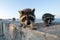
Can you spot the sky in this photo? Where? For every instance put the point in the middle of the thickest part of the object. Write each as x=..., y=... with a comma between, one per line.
x=10, y=8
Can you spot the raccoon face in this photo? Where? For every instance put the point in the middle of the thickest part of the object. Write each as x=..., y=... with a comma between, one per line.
x=48, y=18
x=27, y=16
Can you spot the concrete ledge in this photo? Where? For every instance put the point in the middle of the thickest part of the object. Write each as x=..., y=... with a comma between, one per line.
x=13, y=31
x=37, y=35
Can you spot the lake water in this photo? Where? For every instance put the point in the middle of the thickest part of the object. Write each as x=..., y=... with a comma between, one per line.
x=36, y=21
x=40, y=20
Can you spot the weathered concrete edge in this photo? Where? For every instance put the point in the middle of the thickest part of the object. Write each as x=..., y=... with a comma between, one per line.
x=46, y=35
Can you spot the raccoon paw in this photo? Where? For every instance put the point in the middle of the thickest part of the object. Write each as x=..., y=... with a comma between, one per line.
x=24, y=26
x=34, y=28
x=47, y=25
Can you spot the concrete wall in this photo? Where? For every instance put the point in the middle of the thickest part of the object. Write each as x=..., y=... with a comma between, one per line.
x=6, y=30
x=10, y=30
x=13, y=31
x=1, y=28
x=38, y=35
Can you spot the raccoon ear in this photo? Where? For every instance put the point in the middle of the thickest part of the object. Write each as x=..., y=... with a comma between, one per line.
x=20, y=12
x=53, y=15
x=33, y=10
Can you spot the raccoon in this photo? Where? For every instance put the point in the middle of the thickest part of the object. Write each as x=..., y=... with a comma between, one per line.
x=27, y=17
x=48, y=18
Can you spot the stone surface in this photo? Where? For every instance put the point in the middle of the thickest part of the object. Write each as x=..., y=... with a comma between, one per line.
x=38, y=35
x=52, y=29
x=1, y=28
x=13, y=31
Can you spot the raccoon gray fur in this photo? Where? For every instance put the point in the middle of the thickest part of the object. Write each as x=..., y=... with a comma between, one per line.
x=48, y=18
x=27, y=17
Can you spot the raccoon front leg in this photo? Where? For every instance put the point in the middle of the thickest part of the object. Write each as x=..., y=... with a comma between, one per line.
x=48, y=22
x=32, y=27
x=22, y=25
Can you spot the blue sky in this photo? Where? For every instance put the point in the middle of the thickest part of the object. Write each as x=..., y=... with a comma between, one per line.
x=9, y=8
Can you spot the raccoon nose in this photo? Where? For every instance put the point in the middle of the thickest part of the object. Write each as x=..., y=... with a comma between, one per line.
x=28, y=23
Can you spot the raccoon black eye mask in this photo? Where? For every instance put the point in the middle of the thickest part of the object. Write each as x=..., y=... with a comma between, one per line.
x=23, y=20
x=29, y=18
